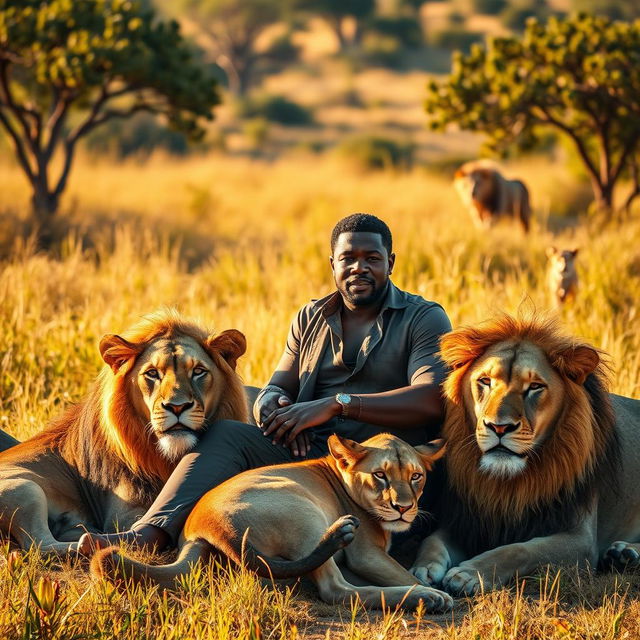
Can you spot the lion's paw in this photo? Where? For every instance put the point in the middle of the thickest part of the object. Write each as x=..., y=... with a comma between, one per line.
x=343, y=530
x=430, y=574
x=623, y=555
x=434, y=600
x=462, y=581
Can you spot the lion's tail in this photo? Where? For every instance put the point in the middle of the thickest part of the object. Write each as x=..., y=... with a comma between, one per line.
x=116, y=567
x=336, y=537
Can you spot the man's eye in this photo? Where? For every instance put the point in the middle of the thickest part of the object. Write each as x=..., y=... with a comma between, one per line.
x=199, y=371
x=152, y=374
x=380, y=474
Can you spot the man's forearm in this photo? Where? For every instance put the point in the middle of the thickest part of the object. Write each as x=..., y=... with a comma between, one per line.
x=412, y=406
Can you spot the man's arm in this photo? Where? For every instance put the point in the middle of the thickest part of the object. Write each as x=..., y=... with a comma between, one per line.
x=418, y=404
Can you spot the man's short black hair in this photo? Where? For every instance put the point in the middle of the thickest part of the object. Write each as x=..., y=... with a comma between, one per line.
x=362, y=222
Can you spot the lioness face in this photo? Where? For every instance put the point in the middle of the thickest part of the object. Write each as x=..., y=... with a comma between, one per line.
x=176, y=384
x=516, y=397
x=385, y=476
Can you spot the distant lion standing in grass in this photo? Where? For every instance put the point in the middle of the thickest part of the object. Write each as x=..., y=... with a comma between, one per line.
x=489, y=196
x=562, y=277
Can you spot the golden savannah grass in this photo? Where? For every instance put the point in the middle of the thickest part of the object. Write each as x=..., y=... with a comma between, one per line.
x=243, y=243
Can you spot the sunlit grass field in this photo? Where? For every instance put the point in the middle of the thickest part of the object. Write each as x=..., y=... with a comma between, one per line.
x=243, y=243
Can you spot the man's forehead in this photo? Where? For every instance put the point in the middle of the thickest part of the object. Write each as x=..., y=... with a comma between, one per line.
x=359, y=240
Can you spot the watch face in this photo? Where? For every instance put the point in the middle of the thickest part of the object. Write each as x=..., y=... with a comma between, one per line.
x=343, y=398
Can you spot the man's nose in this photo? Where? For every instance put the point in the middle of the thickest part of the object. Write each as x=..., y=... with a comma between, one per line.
x=360, y=266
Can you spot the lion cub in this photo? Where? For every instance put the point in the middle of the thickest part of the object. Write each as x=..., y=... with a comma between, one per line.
x=562, y=277
x=287, y=520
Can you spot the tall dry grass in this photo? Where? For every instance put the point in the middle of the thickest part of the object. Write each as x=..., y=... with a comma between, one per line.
x=241, y=243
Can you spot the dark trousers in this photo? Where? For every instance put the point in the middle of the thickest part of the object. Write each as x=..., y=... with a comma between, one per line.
x=226, y=449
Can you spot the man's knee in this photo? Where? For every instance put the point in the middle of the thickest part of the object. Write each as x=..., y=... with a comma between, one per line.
x=227, y=435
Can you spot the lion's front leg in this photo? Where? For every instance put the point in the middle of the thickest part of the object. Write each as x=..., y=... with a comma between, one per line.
x=501, y=565
x=436, y=556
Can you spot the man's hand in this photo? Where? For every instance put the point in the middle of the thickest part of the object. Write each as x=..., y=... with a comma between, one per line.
x=301, y=444
x=287, y=423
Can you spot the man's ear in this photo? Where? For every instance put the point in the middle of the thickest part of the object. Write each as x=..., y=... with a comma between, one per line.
x=431, y=452
x=115, y=351
x=346, y=452
x=230, y=344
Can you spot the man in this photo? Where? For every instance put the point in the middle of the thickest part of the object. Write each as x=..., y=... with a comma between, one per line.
x=361, y=361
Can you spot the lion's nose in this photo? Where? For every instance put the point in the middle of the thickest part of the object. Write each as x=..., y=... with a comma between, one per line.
x=501, y=429
x=177, y=409
x=401, y=508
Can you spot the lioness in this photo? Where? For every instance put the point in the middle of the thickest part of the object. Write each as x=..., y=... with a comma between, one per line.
x=298, y=515
x=489, y=196
x=542, y=463
x=100, y=465
x=562, y=276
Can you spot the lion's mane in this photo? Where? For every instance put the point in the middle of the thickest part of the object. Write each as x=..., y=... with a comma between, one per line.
x=579, y=457
x=103, y=437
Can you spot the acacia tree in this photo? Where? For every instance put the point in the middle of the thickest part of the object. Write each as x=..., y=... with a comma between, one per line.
x=579, y=76
x=232, y=27
x=67, y=67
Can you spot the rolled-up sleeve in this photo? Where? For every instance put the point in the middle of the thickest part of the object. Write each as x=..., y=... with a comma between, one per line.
x=424, y=364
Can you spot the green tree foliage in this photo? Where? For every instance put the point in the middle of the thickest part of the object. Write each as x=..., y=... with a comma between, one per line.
x=579, y=76
x=66, y=67
x=232, y=27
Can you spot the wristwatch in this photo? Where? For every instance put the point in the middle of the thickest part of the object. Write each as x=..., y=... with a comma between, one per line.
x=344, y=400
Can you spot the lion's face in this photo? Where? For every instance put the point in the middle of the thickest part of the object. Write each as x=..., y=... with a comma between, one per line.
x=477, y=185
x=385, y=475
x=175, y=384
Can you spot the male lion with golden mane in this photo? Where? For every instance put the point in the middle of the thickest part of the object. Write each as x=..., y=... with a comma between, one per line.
x=489, y=196
x=542, y=462
x=100, y=465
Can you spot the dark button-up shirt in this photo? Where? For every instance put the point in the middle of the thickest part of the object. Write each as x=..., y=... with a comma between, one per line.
x=400, y=349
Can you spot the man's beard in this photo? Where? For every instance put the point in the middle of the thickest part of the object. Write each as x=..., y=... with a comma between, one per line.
x=377, y=293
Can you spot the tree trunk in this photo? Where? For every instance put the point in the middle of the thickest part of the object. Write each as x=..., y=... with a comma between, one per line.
x=603, y=198
x=44, y=206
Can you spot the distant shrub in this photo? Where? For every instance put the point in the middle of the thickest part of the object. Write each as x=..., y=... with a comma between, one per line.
x=492, y=7
x=381, y=50
x=377, y=152
x=457, y=39
x=614, y=9
x=282, y=50
x=256, y=131
x=515, y=16
x=405, y=29
x=140, y=134
x=275, y=109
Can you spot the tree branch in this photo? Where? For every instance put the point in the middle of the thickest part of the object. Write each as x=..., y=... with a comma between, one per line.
x=18, y=111
x=18, y=146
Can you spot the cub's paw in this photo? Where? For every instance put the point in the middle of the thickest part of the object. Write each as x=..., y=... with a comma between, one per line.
x=462, y=581
x=622, y=555
x=430, y=574
x=343, y=531
x=434, y=600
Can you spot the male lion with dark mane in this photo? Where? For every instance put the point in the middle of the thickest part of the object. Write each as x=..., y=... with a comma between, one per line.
x=100, y=465
x=542, y=462
x=489, y=196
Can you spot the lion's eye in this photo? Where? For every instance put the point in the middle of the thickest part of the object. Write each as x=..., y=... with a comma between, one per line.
x=485, y=381
x=416, y=476
x=380, y=474
x=199, y=371
x=152, y=374
x=535, y=386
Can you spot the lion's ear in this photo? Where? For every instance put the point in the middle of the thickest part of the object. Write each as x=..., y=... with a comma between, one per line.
x=115, y=351
x=230, y=344
x=551, y=251
x=346, y=452
x=459, y=347
x=578, y=362
x=431, y=451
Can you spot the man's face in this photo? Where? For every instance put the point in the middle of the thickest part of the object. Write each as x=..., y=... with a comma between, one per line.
x=361, y=267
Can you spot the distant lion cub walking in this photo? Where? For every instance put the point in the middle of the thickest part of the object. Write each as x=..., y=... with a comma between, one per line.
x=562, y=277
x=298, y=515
